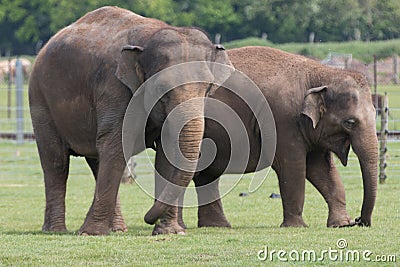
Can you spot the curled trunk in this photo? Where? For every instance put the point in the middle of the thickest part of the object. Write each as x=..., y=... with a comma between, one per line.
x=182, y=150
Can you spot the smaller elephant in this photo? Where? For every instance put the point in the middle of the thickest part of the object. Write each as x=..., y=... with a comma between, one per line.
x=318, y=111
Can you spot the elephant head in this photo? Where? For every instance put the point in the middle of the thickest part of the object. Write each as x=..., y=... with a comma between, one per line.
x=341, y=114
x=174, y=73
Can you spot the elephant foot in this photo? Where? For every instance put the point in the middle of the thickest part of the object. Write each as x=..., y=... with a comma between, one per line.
x=48, y=227
x=170, y=222
x=90, y=230
x=163, y=228
x=90, y=227
x=340, y=221
x=213, y=223
x=119, y=225
x=363, y=222
x=294, y=222
x=212, y=215
x=182, y=223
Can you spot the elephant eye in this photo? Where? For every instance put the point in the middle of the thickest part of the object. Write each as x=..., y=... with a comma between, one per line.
x=349, y=123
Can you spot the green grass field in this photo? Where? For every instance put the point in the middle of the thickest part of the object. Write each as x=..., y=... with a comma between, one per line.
x=255, y=220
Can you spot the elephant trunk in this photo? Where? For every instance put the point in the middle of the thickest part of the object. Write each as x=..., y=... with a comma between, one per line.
x=366, y=148
x=185, y=129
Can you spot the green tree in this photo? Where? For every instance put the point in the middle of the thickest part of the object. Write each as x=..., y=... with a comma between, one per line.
x=335, y=20
x=30, y=17
x=24, y=22
x=383, y=19
x=28, y=20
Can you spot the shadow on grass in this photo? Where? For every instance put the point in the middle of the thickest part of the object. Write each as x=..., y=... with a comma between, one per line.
x=145, y=231
x=37, y=233
x=251, y=227
x=132, y=231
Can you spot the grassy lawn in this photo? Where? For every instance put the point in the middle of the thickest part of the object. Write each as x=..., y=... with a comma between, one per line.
x=393, y=91
x=255, y=220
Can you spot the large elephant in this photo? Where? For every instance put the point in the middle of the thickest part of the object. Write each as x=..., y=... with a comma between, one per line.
x=319, y=111
x=80, y=88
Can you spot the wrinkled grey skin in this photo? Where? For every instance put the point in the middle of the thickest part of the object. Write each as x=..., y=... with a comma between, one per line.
x=80, y=87
x=318, y=111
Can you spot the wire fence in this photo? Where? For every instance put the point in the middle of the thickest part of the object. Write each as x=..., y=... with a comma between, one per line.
x=15, y=120
x=17, y=139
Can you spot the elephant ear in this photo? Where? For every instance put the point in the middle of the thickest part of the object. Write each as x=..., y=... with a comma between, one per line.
x=131, y=75
x=128, y=70
x=221, y=73
x=313, y=105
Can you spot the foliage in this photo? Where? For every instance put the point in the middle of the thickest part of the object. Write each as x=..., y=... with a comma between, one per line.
x=27, y=22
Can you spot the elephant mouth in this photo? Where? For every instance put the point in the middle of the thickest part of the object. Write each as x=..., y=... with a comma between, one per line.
x=153, y=135
x=341, y=148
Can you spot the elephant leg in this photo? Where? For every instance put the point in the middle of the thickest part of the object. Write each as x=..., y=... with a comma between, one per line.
x=99, y=220
x=171, y=221
x=291, y=175
x=322, y=173
x=210, y=212
x=54, y=157
x=118, y=220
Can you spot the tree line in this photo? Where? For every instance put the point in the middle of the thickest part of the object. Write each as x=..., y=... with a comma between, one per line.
x=27, y=24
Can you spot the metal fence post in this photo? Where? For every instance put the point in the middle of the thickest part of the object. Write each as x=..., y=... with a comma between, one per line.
x=19, y=85
x=395, y=70
x=383, y=139
x=9, y=81
x=375, y=72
